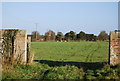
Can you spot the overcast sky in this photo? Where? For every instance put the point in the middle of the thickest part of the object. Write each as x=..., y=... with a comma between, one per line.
x=90, y=17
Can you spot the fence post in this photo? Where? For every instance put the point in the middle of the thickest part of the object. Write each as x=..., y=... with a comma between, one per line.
x=29, y=54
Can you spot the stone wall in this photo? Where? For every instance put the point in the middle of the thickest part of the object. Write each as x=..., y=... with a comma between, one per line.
x=114, y=48
x=16, y=44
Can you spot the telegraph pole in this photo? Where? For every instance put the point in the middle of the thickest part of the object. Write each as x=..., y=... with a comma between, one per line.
x=36, y=30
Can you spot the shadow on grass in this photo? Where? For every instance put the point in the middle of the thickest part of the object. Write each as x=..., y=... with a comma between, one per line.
x=84, y=65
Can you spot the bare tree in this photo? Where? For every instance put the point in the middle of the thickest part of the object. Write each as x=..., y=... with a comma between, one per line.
x=50, y=36
x=35, y=36
x=103, y=36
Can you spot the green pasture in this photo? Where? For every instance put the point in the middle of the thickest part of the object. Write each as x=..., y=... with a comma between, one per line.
x=71, y=51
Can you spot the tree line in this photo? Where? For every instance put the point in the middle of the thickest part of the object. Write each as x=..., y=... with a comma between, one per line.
x=69, y=36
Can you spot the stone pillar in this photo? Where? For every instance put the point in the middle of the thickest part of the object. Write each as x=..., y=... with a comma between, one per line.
x=20, y=46
x=17, y=43
x=114, y=48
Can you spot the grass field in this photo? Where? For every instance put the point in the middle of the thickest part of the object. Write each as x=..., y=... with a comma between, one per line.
x=71, y=51
x=66, y=60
